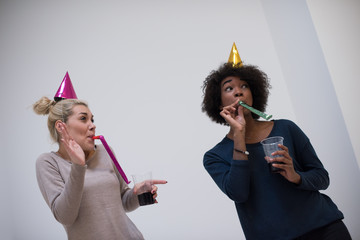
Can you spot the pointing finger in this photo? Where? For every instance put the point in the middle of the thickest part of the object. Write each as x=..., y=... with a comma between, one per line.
x=159, y=181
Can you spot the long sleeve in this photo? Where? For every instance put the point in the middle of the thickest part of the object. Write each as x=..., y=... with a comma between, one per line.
x=129, y=200
x=314, y=176
x=90, y=201
x=231, y=176
x=62, y=196
x=266, y=201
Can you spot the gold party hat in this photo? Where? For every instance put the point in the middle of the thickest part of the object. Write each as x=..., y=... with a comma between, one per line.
x=234, y=57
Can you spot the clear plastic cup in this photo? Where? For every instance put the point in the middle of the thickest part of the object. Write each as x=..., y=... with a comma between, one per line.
x=145, y=185
x=270, y=145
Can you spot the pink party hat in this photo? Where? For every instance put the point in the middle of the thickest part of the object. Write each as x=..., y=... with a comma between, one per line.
x=66, y=89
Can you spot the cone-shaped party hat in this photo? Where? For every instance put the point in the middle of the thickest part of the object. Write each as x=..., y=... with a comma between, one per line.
x=66, y=89
x=234, y=57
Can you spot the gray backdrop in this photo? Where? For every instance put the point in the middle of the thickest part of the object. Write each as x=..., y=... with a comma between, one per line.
x=140, y=65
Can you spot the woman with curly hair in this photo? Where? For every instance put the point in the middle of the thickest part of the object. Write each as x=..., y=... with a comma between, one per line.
x=282, y=205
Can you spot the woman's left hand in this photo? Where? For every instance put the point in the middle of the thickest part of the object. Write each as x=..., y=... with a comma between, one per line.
x=148, y=186
x=286, y=165
x=154, y=192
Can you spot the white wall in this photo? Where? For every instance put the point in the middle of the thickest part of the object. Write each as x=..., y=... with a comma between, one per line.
x=336, y=23
x=315, y=101
x=140, y=65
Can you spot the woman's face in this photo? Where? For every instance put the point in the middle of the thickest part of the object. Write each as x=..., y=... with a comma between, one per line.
x=233, y=89
x=80, y=126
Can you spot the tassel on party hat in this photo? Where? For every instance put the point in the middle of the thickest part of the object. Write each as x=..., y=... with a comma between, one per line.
x=234, y=57
x=66, y=89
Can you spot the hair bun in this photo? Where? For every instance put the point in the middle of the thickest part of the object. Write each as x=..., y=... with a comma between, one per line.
x=43, y=106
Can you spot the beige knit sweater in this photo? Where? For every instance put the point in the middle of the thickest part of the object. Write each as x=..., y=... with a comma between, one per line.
x=89, y=201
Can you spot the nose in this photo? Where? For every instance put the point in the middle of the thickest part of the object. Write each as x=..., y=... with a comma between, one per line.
x=238, y=92
x=92, y=126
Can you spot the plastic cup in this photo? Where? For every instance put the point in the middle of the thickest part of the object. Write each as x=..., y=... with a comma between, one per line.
x=145, y=186
x=270, y=145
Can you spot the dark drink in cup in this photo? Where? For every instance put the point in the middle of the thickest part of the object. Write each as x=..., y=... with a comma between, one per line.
x=274, y=169
x=144, y=185
x=146, y=199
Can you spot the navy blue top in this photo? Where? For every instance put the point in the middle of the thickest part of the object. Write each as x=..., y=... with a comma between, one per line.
x=268, y=205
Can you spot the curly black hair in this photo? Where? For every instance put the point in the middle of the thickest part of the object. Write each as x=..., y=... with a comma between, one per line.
x=256, y=79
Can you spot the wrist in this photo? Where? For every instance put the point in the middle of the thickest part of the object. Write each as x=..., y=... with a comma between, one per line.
x=297, y=179
x=242, y=151
x=239, y=154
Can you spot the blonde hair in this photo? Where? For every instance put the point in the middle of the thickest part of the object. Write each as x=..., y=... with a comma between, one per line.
x=57, y=110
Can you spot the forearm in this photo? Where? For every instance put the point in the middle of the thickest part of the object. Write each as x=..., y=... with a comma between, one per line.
x=233, y=180
x=313, y=175
x=314, y=180
x=65, y=206
x=130, y=200
x=239, y=152
x=237, y=183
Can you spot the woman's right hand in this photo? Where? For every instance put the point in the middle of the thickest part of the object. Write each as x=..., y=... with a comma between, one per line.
x=73, y=149
x=234, y=116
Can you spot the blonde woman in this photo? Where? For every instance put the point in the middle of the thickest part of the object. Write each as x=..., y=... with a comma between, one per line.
x=79, y=182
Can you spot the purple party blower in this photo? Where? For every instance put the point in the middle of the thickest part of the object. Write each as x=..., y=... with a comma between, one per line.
x=102, y=139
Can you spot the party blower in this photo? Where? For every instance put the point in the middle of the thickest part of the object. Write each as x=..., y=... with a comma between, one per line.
x=257, y=112
x=102, y=139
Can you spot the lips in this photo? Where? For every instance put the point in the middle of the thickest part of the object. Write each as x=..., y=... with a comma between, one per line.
x=91, y=137
x=240, y=100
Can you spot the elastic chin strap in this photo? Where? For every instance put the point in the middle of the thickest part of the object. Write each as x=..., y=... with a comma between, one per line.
x=57, y=99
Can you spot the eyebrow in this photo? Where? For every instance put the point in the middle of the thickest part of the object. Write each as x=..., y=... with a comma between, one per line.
x=85, y=113
x=227, y=81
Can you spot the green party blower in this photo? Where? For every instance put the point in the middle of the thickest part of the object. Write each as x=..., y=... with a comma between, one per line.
x=257, y=112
